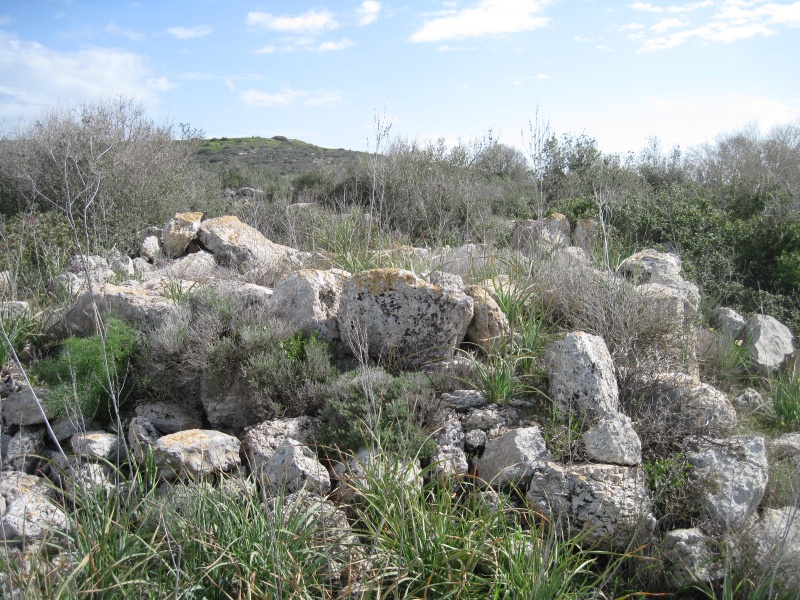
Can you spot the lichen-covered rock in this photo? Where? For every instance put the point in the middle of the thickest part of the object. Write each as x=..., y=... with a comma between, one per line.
x=26, y=407
x=489, y=416
x=24, y=450
x=168, y=418
x=513, y=457
x=96, y=444
x=236, y=244
x=581, y=375
x=261, y=441
x=612, y=439
x=132, y=302
x=448, y=461
x=394, y=316
x=542, y=234
x=293, y=467
x=693, y=408
x=777, y=540
x=179, y=231
x=650, y=266
x=451, y=432
x=30, y=515
x=688, y=558
x=195, y=453
x=608, y=504
x=489, y=327
x=769, y=343
x=730, y=477
x=310, y=298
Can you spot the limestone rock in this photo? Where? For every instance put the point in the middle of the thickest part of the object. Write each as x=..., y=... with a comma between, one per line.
x=236, y=244
x=24, y=450
x=777, y=539
x=612, y=439
x=142, y=437
x=489, y=326
x=310, y=298
x=122, y=264
x=728, y=322
x=650, y=266
x=192, y=266
x=464, y=400
x=179, y=231
x=475, y=440
x=785, y=446
x=293, y=467
x=451, y=432
x=23, y=407
x=490, y=416
x=168, y=418
x=513, y=457
x=261, y=441
x=30, y=515
x=466, y=260
x=448, y=462
x=688, y=559
x=608, y=503
x=195, y=453
x=245, y=295
x=151, y=248
x=581, y=375
x=586, y=235
x=542, y=234
x=694, y=408
x=769, y=343
x=396, y=317
x=96, y=444
x=730, y=476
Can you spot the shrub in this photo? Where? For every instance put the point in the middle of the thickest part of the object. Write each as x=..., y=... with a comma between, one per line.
x=89, y=374
x=370, y=407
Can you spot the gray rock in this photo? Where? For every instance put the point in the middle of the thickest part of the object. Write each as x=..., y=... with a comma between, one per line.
x=489, y=327
x=513, y=457
x=543, y=234
x=260, y=442
x=785, y=446
x=192, y=266
x=730, y=477
x=608, y=504
x=769, y=343
x=612, y=439
x=168, y=418
x=76, y=474
x=586, y=235
x=293, y=467
x=96, y=444
x=448, y=462
x=26, y=407
x=581, y=375
x=310, y=298
x=451, y=432
x=488, y=417
x=727, y=322
x=122, y=265
x=475, y=440
x=67, y=426
x=688, y=559
x=151, y=248
x=196, y=453
x=466, y=260
x=650, y=266
x=694, y=408
x=30, y=515
x=142, y=437
x=394, y=316
x=777, y=540
x=749, y=401
x=236, y=244
x=464, y=400
x=24, y=450
x=179, y=231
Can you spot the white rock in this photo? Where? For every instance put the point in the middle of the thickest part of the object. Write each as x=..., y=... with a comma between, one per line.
x=195, y=453
x=151, y=248
x=688, y=559
x=310, y=298
x=192, y=266
x=30, y=515
x=612, y=439
x=728, y=322
x=96, y=444
x=396, y=317
x=360, y=473
x=769, y=343
x=730, y=476
x=608, y=504
x=293, y=467
x=694, y=408
x=236, y=244
x=24, y=450
x=179, y=231
x=466, y=260
x=261, y=441
x=513, y=457
x=777, y=538
x=581, y=375
x=448, y=461
x=650, y=266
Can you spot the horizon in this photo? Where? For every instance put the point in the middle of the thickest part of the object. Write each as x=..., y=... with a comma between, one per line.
x=324, y=72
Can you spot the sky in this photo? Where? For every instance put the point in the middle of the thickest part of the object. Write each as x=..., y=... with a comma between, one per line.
x=327, y=72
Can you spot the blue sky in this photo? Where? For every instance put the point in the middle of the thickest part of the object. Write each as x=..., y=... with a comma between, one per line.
x=322, y=70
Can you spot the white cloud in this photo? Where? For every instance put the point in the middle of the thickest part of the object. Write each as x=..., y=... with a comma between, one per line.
x=537, y=77
x=312, y=21
x=34, y=76
x=134, y=36
x=340, y=45
x=578, y=38
x=633, y=26
x=647, y=7
x=368, y=12
x=267, y=50
x=666, y=24
x=185, y=33
x=5, y=19
x=488, y=17
x=324, y=99
x=782, y=14
x=283, y=98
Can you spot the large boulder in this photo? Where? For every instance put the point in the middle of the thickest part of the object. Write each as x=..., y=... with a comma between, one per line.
x=693, y=408
x=310, y=298
x=513, y=457
x=236, y=244
x=650, y=266
x=179, y=231
x=195, y=453
x=396, y=317
x=581, y=375
x=769, y=343
x=729, y=476
x=608, y=504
